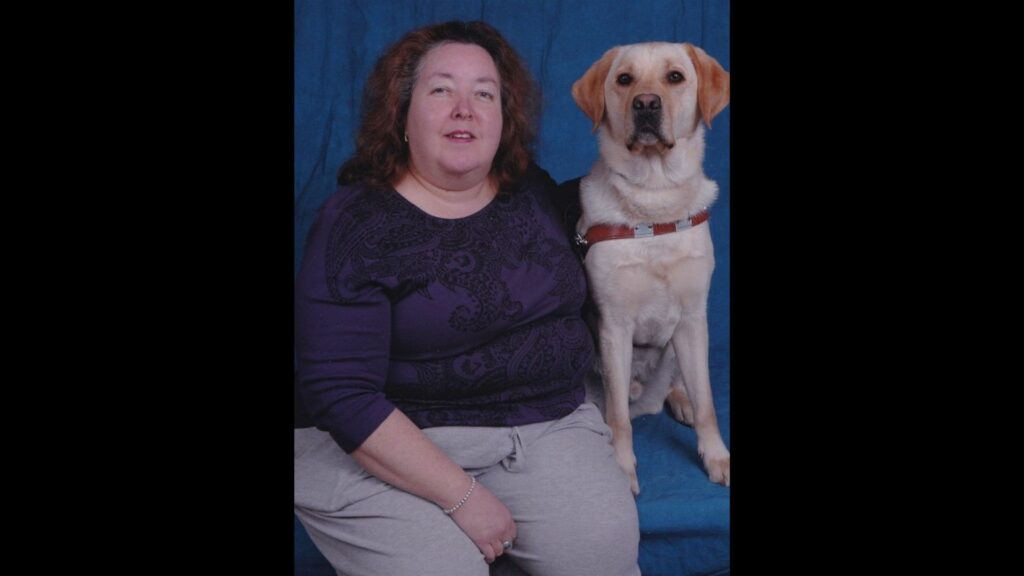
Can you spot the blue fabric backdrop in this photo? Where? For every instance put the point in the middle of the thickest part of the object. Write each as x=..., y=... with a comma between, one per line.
x=684, y=519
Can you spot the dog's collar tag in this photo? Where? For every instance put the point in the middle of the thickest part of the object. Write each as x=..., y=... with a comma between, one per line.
x=645, y=230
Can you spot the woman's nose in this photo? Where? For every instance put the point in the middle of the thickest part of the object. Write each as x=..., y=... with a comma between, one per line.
x=463, y=108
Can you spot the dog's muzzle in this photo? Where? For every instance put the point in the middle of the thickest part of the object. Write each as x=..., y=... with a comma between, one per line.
x=647, y=122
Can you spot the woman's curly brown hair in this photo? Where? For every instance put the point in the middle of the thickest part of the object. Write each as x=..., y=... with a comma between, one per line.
x=381, y=156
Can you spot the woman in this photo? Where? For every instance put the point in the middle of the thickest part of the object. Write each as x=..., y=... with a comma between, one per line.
x=441, y=348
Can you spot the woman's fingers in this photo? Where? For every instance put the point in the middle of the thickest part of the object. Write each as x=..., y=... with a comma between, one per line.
x=489, y=554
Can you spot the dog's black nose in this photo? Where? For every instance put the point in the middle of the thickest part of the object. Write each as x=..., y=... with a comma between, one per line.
x=648, y=102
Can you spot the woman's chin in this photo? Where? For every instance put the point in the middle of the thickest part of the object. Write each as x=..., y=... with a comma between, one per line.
x=467, y=169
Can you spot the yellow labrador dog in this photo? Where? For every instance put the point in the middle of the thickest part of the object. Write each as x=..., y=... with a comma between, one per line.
x=650, y=258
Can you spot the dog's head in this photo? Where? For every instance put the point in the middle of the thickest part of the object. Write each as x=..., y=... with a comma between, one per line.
x=651, y=94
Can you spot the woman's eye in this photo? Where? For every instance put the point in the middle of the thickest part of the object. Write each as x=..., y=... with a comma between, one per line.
x=438, y=90
x=486, y=95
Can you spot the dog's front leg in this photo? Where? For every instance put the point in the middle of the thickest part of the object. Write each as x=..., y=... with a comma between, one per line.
x=691, y=344
x=616, y=342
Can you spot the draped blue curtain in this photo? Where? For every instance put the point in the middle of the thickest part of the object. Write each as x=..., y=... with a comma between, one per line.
x=338, y=41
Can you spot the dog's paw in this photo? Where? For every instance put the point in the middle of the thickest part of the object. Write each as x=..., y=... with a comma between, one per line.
x=627, y=461
x=634, y=485
x=682, y=408
x=717, y=465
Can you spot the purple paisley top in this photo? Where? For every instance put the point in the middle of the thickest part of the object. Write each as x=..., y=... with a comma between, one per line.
x=473, y=321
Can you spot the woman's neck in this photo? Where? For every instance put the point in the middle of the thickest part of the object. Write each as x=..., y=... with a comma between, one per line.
x=442, y=201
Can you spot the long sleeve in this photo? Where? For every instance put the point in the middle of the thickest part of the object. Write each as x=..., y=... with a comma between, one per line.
x=343, y=337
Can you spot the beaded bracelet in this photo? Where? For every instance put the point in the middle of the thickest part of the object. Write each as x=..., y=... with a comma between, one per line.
x=464, y=498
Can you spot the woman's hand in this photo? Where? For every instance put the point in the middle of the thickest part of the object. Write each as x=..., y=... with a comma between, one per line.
x=400, y=454
x=486, y=521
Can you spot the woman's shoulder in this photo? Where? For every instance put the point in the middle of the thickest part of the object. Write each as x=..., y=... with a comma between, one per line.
x=356, y=206
x=347, y=215
x=342, y=236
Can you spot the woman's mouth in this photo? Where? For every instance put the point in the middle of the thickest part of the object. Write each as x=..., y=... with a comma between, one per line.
x=460, y=136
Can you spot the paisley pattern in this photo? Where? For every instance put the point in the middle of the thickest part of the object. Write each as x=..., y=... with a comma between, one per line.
x=485, y=310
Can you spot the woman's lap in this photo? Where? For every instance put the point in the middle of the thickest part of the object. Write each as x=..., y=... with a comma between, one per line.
x=571, y=502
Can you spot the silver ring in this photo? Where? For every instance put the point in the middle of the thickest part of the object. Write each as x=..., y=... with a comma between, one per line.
x=507, y=544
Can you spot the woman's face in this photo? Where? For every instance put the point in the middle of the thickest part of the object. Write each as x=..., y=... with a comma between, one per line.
x=454, y=122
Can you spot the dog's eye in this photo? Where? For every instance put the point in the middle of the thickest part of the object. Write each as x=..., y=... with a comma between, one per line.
x=675, y=77
x=624, y=79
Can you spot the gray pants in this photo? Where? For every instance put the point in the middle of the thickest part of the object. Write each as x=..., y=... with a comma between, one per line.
x=571, y=502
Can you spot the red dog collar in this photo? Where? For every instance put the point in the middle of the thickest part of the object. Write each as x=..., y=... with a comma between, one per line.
x=603, y=232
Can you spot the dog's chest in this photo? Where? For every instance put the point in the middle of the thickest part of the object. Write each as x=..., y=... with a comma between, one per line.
x=650, y=282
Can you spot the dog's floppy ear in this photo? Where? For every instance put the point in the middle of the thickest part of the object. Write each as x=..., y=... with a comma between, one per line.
x=588, y=91
x=712, y=83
